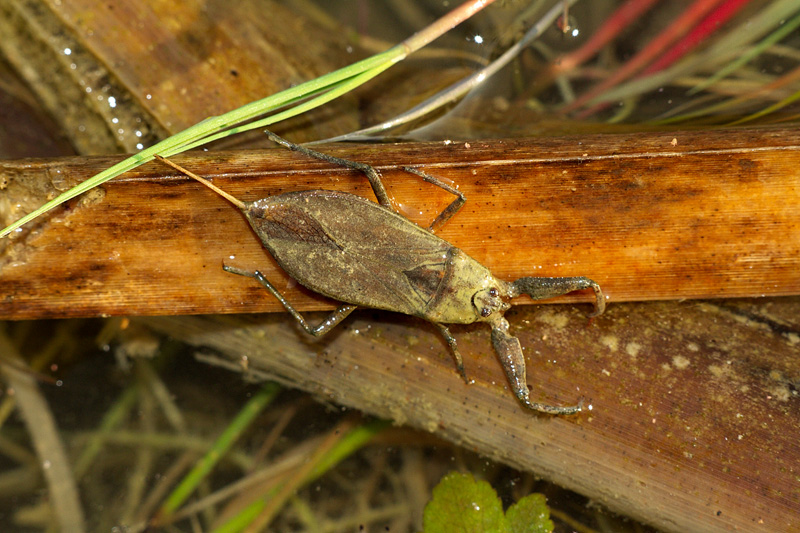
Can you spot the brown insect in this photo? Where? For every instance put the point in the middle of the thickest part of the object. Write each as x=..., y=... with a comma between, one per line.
x=366, y=254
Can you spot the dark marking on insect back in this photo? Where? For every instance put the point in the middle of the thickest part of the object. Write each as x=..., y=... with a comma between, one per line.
x=426, y=279
x=287, y=222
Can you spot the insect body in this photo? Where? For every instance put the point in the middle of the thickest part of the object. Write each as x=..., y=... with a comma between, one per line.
x=378, y=258
x=365, y=254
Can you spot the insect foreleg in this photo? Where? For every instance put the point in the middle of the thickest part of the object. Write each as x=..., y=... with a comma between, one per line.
x=448, y=211
x=368, y=170
x=542, y=288
x=322, y=328
x=509, y=351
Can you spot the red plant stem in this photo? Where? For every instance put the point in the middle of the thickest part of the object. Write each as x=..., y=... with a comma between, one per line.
x=613, y=25
x=703, y=30
x=679, y=27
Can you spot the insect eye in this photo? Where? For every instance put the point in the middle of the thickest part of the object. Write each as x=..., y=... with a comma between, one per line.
x=493, y=292
x=486, y=312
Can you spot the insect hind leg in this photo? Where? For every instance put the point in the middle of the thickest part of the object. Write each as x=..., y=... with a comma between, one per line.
x=375, y=180
x=368, y=170
x=319, y=330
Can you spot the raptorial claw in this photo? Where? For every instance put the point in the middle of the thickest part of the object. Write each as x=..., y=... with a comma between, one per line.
x=600, y=299
x=509, y=351
x=542, y=288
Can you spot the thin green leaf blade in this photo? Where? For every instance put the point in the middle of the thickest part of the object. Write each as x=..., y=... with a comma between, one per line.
x=346, y=446
x=201, y=132
x=223, y=443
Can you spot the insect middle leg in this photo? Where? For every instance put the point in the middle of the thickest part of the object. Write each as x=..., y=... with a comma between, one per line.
x=451, y=342
x=375, y=179
x=321, y=329
x=448, y=211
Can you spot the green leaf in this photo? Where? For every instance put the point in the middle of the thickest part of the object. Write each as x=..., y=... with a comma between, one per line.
x=530, y=515
x=460, y=504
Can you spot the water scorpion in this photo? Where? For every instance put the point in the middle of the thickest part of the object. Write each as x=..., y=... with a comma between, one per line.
x=365, y=254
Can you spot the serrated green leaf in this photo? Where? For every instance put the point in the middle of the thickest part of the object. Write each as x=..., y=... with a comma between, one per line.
x=461, y=504
x=530, y=515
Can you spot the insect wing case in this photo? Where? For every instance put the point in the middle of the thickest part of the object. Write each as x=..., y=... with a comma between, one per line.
x=355, y=251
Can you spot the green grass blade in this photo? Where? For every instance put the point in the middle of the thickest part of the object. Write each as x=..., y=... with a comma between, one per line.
x=336, y=91
x=776, y=36
x=200, y=132
x=347, y=445
x=770, y=109
x=113, y=418
x=242, y=421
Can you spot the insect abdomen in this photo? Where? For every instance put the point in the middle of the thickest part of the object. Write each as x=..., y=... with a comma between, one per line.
x=352, y=250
